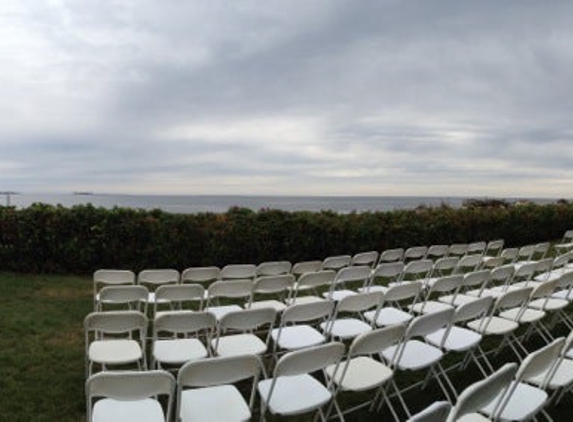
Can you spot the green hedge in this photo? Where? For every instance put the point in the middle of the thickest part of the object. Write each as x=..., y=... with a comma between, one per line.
x=53, y=239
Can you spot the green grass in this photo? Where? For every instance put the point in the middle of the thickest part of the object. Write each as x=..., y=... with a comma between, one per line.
x=42, y=349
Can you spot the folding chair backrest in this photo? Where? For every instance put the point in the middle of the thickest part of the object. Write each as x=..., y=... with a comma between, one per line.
x=391, y=255
x=352, y=274
x=389, y=270
x=415, y=253
x=437, y=251
x=157, y=277
x=443, y=265
x=336, y=262
x=367, y=259
x=238, y=272
x=480, y=394
x=403, y=291
x=309, y=360
x=123, y=294
x=476, y=278
x=218, y=370
x=502, y=274
x=540, y=361
x=525, y=271
x=544, y=289
x=567, y=236
x=129, y=386
x=429, y=323
x=116, y=322
x=494, y=247
x=540, y=250
x=513, y=298
x=360, y=302
x=468, y=263
x=458, y=249
x=304, y=267
x=247, y=319
x=178, y=293
x=181, y=322
x=200, y=275
x=509, y=254
x=377, y=340
x=417, y=270
x=525, y=253
x=112, y=277
x=561, y=260
x=307, y=312
x=230, y=288
x=446, y=284
x=473, y=310
x=436, y=412
x=477, y=248
x=493, y=262
x=273, y=284
x=273, y=268
x=565, y=281
x=316, y=279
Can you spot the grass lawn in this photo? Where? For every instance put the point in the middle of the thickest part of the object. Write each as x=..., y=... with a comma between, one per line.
x=42, y=348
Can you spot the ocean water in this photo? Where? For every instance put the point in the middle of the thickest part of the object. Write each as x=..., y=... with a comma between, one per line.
x=188, y=204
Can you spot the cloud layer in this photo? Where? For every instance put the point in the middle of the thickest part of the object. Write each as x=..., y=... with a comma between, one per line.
x=289, y=97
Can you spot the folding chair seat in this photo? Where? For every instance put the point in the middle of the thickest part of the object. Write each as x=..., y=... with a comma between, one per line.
x=468, y=264
x=368, y=259
x=391, y=255
x=312, y=283
x=415, y=253
x=292, y=390
x=436, y=252
x=400, y=295
x=170, y=348
x=278, y=286
x=335, y=263
x=360, y=372
x=476, y=279
x=238, y=272
x=304, y=267
x=414, y=355
x=458, y=339
x=115, y=338
x=441, y=286
x=441, y=268
x=130, y=297
x=271, y=268
x=383, y=275
x=236, y=334
x=297, y=325
x=176, y=296
x=129, y=395
x=237, y=290
x=206, y=390
x=200, y=275
x=458, y=249
x=566, y=244
x=347, y=321
x=154, y=278
x=103, y=278
x=523, y=401
x=345, y=279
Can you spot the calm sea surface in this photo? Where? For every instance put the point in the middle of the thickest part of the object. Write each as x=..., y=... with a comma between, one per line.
x=188, y=204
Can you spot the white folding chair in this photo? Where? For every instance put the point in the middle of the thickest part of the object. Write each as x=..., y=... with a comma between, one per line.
x=296, y=329
x=117, y=396
x=206, y=390
x=154, y=278
x=476, y=248
x=436, y=412
x=499, y=283
x=436, y=252
x=345, y=279
x=271, y=268
x=237, y=290
x=415, y=253
x=396, y=301
x=347, y=321
x=175, y=296
x=304, y=267
x=418, y=270
x=200, y=275
x=468, y=263
x=177, y=337
x=566, y=243
x=368, y=259
x=238, y=272
x=132, y=297
x=441, y=286
x=102, y=278
x=360, y=372
x=442, y=267
x=494, y=248
x=292, y=390
x=391, y=255
x=458, y=249
x=335, y=263
x=383, y=275
x=475, y=279
x=312, y=283
x=115, y=338
x=277, y=290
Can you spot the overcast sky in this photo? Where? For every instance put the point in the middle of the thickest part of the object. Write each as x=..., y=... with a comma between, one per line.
x=305, y=97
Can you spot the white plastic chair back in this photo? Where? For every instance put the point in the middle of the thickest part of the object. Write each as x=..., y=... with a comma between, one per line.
x=367, y=259
x=415, y=253
x=247, y=319
x=131, y=295
x=480, y=394
x=391, y=255
x=111, y=277
x=458, y=249
x=525, y=253
x=307, y=312
x=494, y=247
x=513, y=298
x=543, y=268
x=315, y=280
x=540, y=361
x=509, y=255
x=444, y=265
x=403, y=291
x=476, y=248
x=360, y=302
x=437, y=251
x=230, y=289
x=336, y=262
x=540, y=250
x=376, y=340
x=544, y=289
x=436, y=412
x=524, y=272
x=238, y=271
x=476, y=278
x=492, y=262
x=130, y=386
x=158, y=276
x=473, y=310
x=200, y=275
x=502, y=275
x=184, y=322
x=273, y=284
x=417, y=270
x=116, y=322
x=468, y=263
x=304, y=267
x=446, y=284
x=309, y=360
x=352, y=275
x=178, y=294
x=271, y=268
x=429, y=323
x=388, y=270
x=567, y=236
x=218, y=370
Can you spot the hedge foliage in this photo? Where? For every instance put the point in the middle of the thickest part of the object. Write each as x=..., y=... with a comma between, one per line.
x=53, y=239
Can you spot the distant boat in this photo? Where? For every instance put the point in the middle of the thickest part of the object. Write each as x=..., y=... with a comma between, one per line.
x=83, y=193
